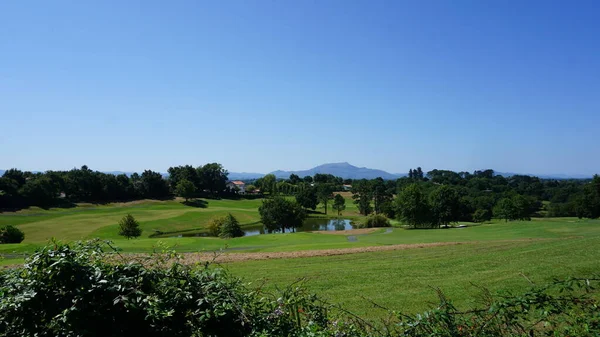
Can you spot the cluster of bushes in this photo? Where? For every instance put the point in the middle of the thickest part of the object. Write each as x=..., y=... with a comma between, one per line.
x=11, y=234
x=225, y=227
x=81, y=290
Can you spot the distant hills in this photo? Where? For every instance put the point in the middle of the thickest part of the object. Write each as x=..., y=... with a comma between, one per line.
x=344, y=170
x=348, y=171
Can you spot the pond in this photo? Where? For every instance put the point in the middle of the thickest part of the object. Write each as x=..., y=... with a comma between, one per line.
x=309, y=225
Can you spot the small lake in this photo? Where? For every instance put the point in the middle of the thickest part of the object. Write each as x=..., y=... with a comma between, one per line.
x=308, y=226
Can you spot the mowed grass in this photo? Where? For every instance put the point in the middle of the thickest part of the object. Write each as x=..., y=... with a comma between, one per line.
x=404, y=280
x=495, y=255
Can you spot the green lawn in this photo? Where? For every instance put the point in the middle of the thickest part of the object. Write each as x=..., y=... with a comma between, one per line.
x=403, y=279
x=493, y=255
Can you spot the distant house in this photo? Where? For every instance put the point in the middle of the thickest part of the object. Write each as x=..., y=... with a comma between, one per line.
x=237, y=185
x=347, y=187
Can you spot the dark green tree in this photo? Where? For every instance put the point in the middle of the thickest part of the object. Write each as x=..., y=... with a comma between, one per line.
x=588, y=204
x=213, y=177
x=445, y=206
x=324, y=194
x=505, y=209
x=129, y=227
x=278, y=213
x=307, y=198
x=294, y=179
x=185, y=189
x=412, y=207
x=382, y=196
x=339, y=204
x=362, y=193
x=153, y=186
x=267, y=184
x=230, y=228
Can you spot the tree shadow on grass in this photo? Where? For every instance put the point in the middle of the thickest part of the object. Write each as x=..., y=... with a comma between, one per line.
x=199, y=203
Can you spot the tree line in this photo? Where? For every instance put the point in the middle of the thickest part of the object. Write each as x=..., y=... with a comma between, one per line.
x=20, y=189
x=440, y=197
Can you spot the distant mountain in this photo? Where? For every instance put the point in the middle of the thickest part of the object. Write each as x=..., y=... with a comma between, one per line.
x=244, y=175
x=343, y=170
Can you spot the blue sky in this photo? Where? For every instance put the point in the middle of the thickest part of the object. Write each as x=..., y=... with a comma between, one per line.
x=265, y=85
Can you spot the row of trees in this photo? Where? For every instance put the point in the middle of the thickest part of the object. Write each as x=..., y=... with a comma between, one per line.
x=443, y=195
x=22, y=189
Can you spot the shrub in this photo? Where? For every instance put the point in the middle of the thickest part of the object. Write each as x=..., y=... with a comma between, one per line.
x=11, y=234
x=230, y=228
x=375, y=220
x=129, y=227
x=214, y=225
x=73, y=290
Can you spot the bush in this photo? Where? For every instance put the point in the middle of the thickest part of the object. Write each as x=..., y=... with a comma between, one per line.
x=129, y=227
x=11, y=234
x=375, y=220
x=230, y=228
x=214, y=225
x=73, y=290
x=80, y=290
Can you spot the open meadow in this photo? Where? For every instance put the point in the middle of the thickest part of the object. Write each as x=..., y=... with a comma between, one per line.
x=395, y=268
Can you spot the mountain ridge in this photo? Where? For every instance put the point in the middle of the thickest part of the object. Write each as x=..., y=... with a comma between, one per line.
x=343, y=169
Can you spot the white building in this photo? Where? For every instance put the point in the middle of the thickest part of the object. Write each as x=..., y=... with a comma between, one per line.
x=237, y=185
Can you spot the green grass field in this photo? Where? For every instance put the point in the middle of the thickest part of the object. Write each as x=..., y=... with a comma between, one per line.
x=499, y=256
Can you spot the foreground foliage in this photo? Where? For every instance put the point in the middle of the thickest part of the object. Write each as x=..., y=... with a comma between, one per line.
x=80, y=290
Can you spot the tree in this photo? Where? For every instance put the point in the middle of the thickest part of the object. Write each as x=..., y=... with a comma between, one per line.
x=482, y=215
x=339, y=204
x=362, y=194
x=213, y=177
x=267, y=183
x=129, y=227
x=588, y=204
x=505, y=209
x=40, y=190
x=382, y=196
x=11, y=234
x=324, y=194
x=230, y=228
x=445, y=205
x=412, y=207
x=307, y=198
x=185, y=189
x=250, y=188
x=516, y=207
x=278, y=214
x=294, y=179
x=153, y=186
x=411, y=174
x=308, y=179
x=419, y=173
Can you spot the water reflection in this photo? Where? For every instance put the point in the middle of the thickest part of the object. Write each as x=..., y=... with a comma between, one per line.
x=309, y=225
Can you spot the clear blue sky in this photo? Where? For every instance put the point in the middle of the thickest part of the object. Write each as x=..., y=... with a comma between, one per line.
x=265, y=85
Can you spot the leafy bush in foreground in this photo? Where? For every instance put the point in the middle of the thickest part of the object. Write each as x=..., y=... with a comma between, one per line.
x=11, y=234
x=80, y=290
